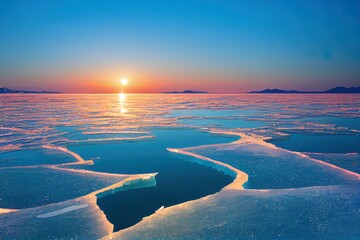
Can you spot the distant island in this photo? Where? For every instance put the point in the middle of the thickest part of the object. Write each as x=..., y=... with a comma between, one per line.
x=187, y=91
x=5, y=90
x=333, y=90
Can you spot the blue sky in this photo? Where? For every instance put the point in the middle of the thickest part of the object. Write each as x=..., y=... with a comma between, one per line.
x=220, y=46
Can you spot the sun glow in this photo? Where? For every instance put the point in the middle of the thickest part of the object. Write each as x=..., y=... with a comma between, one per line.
x=124, y=81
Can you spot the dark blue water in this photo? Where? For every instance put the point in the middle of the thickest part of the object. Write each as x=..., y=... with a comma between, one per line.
x=320, y=142
x=177, y=180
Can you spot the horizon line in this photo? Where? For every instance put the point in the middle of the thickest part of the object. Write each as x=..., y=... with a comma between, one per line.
x=170, y=92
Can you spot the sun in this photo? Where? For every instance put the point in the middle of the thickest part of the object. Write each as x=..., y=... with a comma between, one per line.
x=124, y=81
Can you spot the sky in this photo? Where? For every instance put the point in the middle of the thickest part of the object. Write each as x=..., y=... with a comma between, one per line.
x=217, y=46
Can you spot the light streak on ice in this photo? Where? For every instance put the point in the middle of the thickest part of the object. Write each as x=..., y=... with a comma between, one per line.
x=62, y=211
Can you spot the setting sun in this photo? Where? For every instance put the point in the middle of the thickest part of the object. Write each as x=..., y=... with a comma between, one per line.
x=124, y=81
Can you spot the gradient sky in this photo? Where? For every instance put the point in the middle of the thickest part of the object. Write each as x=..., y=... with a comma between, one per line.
x=218, y=46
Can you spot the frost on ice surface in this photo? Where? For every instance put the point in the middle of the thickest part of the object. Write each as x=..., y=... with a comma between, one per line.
x=350, y=161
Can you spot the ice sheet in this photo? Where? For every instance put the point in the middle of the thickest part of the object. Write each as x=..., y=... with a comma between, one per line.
x=36, y=156
x=290, y=204
x=31, y=187
x=270, y=168
x=66, y=220
x=330, y=212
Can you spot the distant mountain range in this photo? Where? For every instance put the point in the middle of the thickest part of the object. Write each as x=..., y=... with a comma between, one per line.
x=187, y=91
x=7, y=90
x=333, y=90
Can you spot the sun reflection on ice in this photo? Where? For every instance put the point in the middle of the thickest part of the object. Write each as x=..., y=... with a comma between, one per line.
x=122, y=102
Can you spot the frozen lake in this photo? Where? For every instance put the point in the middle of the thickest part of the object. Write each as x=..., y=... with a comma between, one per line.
x=160, y=166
